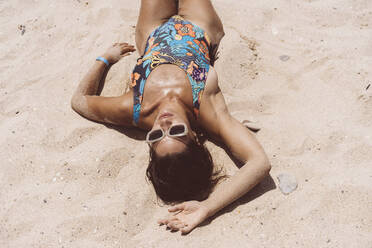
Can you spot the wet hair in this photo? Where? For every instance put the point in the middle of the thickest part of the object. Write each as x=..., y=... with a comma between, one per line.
x=183, y=176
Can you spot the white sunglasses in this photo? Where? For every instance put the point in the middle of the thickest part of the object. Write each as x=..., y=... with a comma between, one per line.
x=176, y=130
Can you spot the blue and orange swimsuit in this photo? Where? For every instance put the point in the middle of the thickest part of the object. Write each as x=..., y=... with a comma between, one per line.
x=177, y=42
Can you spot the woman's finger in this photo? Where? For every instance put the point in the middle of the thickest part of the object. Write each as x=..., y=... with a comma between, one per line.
x=177, y=207
x=186, y=229
x=163, y=221
x=126, y=45
x=167, y=220
x=128, y=49
x=125, y=54
x=175, y=225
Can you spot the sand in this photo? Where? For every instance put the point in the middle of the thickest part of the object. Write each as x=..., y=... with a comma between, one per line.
x=299, y=68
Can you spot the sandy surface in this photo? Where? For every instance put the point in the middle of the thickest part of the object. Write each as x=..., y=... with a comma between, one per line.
x=69, y=182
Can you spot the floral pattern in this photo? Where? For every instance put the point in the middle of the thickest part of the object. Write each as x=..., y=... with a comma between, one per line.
x=178, y=42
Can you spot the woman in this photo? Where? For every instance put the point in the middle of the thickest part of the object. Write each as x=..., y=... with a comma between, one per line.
x=175, y=97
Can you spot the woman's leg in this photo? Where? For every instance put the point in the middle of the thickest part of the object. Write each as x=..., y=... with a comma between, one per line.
x=152, y=14
x=202, y=13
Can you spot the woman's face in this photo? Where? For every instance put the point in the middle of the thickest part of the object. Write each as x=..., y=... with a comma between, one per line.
x=169, y=145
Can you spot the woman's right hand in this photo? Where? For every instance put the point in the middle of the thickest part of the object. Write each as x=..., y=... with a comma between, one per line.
x=185, y=216
x=117, y=51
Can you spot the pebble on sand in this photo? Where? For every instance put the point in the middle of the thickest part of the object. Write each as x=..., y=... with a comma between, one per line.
x=287, y=183
x=22, y=28
x=284, y=57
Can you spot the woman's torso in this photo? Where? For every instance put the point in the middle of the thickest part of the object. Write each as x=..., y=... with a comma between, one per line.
x=166, y=81
x=175, y=63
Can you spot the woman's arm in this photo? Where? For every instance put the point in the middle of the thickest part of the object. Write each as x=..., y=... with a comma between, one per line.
x=256, y=167
x=243, y=145
x=97, y=108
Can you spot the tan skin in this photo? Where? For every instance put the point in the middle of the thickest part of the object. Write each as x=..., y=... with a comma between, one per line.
x=168, y=90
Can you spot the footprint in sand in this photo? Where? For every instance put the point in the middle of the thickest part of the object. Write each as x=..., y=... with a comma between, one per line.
x=313, y=145
x=358, y=154
x=365, y=99
x=113, y=161
x=309, y=144
x=79, y=228
x=75, y=138
x=261, y=105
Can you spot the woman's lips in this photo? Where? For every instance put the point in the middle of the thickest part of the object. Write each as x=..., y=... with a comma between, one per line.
x=165, y=115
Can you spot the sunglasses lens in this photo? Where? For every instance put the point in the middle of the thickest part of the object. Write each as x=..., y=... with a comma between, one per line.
x=177, y=129
x=156, y=134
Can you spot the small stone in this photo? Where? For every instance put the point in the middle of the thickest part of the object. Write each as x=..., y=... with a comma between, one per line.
x=22, y=28
x=287, y=183
x=274, y=31
x=284, y=57
x=45, y=201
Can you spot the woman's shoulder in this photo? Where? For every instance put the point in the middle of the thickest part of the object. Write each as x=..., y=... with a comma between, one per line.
x=211, y=84
x=213, y=107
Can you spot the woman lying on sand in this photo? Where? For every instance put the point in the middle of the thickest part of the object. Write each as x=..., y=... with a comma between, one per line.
x=175, y=97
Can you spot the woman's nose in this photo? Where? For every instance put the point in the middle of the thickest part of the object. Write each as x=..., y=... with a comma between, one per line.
x=165, y=124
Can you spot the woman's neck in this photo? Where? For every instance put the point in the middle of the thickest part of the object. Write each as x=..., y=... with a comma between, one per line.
x=173, y=104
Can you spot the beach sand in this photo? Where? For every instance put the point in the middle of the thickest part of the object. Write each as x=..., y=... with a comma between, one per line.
x=301, y=69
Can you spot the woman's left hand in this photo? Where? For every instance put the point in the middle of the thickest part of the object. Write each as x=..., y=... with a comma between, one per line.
x=117, y=51
x=185, y=216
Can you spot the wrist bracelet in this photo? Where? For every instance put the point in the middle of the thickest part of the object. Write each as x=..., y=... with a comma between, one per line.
x=103, y=60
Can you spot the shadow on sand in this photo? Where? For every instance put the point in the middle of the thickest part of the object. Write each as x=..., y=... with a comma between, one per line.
x=267, y=184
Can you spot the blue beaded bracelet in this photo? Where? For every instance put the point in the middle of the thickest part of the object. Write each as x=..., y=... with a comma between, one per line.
x=103, y=60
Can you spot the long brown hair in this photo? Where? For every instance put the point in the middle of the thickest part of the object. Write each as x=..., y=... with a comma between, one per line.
x=183, y=176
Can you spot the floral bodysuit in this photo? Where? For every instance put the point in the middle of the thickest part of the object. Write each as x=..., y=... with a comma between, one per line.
x=177, y=42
